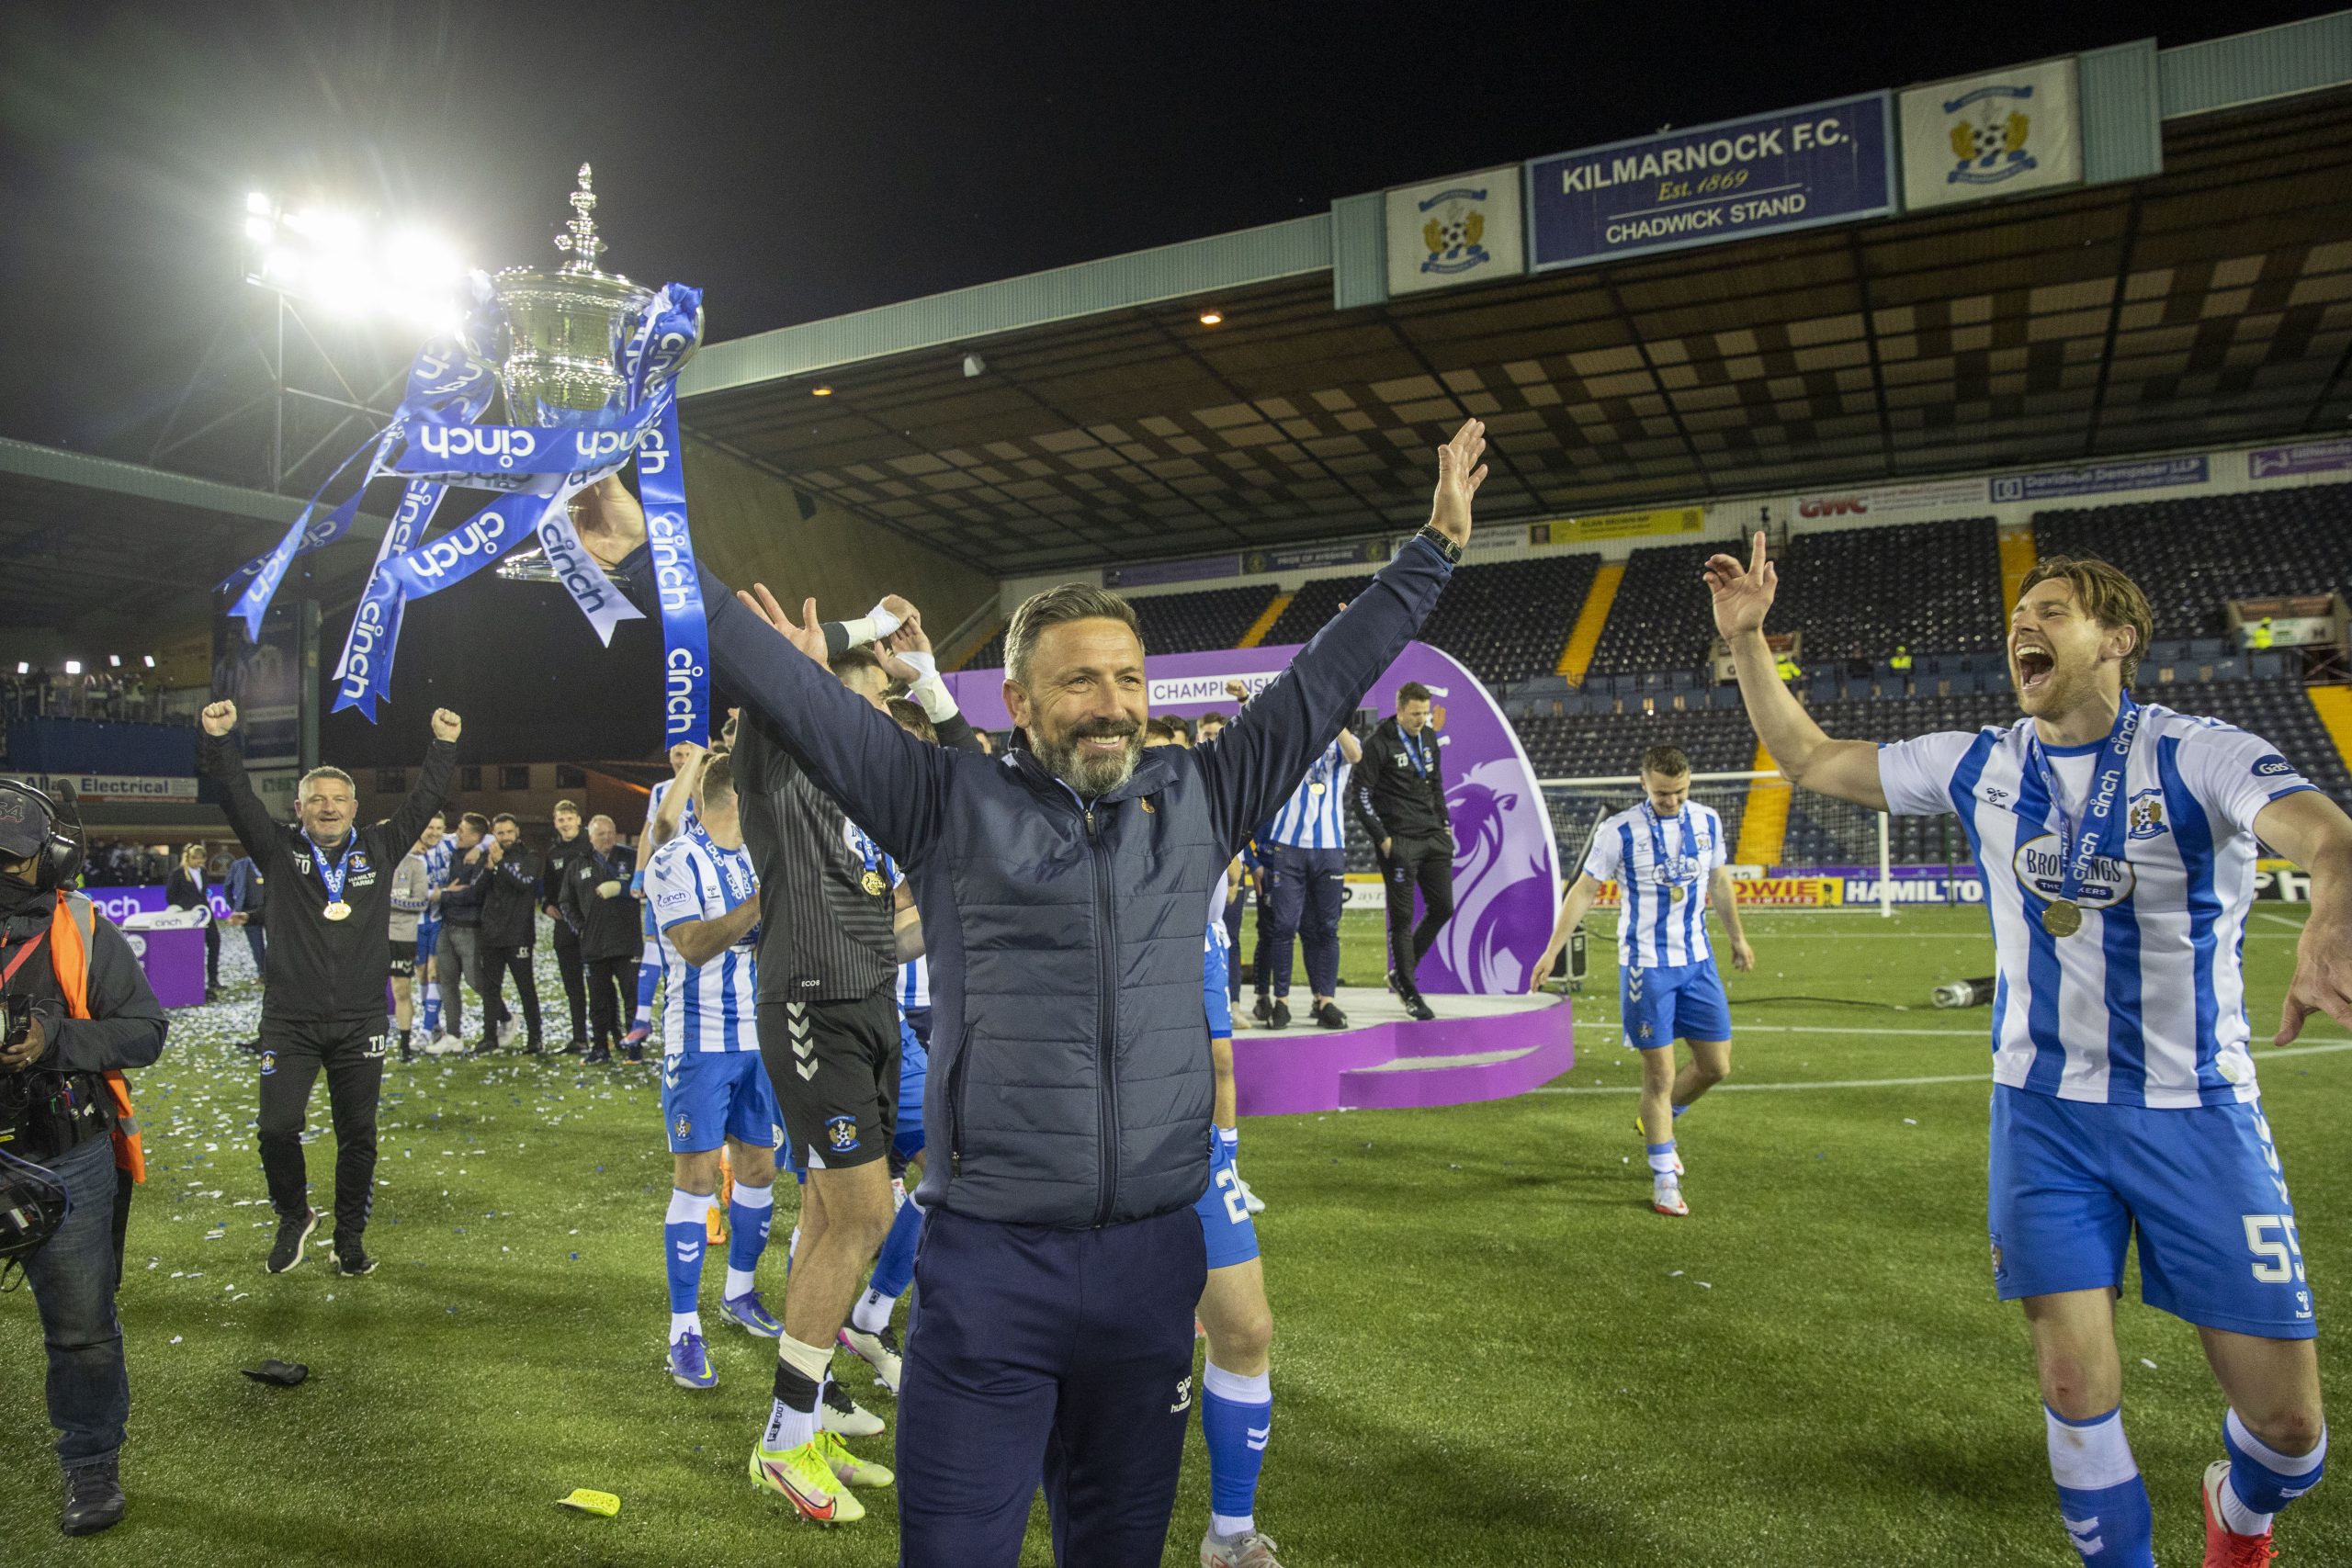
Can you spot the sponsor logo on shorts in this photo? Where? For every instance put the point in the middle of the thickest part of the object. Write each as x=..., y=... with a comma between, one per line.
x=840, y=1133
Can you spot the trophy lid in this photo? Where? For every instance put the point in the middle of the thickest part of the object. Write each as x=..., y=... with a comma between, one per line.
x=581, y=239
x=584, y=246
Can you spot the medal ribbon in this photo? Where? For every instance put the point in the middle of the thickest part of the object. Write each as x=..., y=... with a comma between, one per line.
x=1413, y=751
x=1663, y=869
x=332, y=880
x=2079, y=846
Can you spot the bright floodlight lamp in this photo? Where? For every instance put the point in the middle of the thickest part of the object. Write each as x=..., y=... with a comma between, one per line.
x=148, y=659
x=350, y=265
x=73, y=667
x=24, y=667
x=114, y=660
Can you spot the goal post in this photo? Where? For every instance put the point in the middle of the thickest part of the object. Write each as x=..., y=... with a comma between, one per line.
x=1828, y=854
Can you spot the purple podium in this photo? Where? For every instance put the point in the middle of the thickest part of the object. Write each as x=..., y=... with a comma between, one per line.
x=174, y=960
x=1394, y=1063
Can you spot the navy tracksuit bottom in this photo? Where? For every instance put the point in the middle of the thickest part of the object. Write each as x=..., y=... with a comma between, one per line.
x=1306, y=891
x=1055, y=1357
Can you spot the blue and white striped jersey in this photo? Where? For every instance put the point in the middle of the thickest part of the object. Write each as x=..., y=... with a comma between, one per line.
x=645, y=835
x=714, y=1007
x=436, y=874
x=1662, y=905
x=2144, y=1004
x=1311, y=817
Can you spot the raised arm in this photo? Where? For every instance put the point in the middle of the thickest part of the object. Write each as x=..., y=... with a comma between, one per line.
x=1845, y=769
x=1257, y=762
x=885, y=779
x=407, y=824
x=663, y=825
x=2312, y=830
x=218, y=758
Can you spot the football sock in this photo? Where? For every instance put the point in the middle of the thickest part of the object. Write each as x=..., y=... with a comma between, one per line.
x=749, y=1214
x=683, y=1324
x=892, y=1269
x=2262, y=1480
x=405, y=1035
x=432, y=1008
x=1230, y=1137
x=800, y=1373
x=683, y=1237
x=1237, y=1417
x=648, y=982
x=1662, y=1162
x=2100, y=1496
x=1679, y=1111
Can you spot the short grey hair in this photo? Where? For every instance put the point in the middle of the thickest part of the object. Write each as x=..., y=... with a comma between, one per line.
x=303, y=787
x=1071, y=601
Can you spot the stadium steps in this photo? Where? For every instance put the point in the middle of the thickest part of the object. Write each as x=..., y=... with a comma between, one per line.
x=2017, y=555
x=1265, y=622
x=992, y=641
x=2334, y=706
x=1764, y=823
x=1576, y=658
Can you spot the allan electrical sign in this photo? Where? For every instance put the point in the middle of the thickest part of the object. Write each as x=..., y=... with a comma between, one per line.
x=1829, y=163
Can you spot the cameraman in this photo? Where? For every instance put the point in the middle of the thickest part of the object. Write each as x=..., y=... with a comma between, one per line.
x=62, y=1092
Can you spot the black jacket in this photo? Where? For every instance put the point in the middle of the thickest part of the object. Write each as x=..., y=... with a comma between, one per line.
x=1070, y=1066
x=1393, y=799
x=510, y=898
x=556, y=865
x=323, y=970
x=609, y=927
x=125, y=1026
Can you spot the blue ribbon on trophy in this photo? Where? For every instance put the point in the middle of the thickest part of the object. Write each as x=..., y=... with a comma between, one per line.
x=591, y=358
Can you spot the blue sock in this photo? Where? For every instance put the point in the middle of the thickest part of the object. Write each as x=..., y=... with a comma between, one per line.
x=1662, y=1159
x=1237, y=1417
x=1679, y=1109
x=648, y=982
x=896, y=1266
x=2100, y=1496
x=748, y=1214
x=682, y=1246
x=432, y=1008
x=2263, y=1479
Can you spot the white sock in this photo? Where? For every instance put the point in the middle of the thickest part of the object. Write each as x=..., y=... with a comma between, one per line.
x=2237, y=1517
x=1225, y=1527
x=739, y=1283
x=683, y=1324
x=872, y=1314
x=1229, y=1137
x=787, y=1427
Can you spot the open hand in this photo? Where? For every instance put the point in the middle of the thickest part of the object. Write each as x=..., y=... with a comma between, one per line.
x=2322, y=981
x=608, y=520
x=909, y=638
x=220, y=719
x=1459, y=475
x=446, y=725
x=1742, y=595
x=1743, y=957
x=807, y=634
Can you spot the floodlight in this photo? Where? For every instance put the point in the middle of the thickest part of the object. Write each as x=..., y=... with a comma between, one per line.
x=114, y=660
x=257, y=204
x=23, y=668
x=148, y=659
x=73, y=667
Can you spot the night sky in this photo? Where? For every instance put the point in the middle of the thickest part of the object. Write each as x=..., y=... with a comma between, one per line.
x=823, y=158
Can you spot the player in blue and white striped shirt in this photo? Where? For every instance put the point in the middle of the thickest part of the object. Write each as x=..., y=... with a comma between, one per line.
x=438, y=853
x=1304, y=846
x=715, y=1089
x=1668, y=860
x=2117, y=845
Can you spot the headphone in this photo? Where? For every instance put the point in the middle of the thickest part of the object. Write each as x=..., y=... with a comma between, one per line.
x=59, y=859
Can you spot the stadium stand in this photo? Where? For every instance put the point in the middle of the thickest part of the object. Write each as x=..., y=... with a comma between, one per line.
x=989, y=655
x=1858, y=592
x=1197, y=623
x=1660, y=619
x=1509, y=620
x=1316, y=604
x=2194, y=556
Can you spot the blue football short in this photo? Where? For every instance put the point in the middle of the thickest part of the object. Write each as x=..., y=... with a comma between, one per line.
x=428, y=941
x=1213, y=987
x=1224, y=1213
x=1684, y=1002
x=2071, y=1180
x=707, y=1095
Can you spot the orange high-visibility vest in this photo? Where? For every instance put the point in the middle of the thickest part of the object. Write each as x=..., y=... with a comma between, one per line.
x=69, y=932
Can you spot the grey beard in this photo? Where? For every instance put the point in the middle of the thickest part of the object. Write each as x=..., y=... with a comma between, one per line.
x=1089, y=776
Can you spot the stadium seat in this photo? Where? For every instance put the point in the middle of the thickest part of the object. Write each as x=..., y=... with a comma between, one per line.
x=2193, y=556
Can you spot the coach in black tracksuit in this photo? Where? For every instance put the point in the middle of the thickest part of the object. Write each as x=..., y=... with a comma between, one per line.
x=330, y=962
x=510, y=925
x=565, y=851
x=594, y=897
x=1398, y=795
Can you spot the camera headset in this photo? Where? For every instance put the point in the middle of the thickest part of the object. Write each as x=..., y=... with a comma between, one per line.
x=58, y=858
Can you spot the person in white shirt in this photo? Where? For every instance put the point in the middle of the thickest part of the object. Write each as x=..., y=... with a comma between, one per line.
x=1661, y=854
x=2117, y=845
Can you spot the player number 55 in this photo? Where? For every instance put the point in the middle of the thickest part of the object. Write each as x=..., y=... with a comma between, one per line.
x=2283, y=1251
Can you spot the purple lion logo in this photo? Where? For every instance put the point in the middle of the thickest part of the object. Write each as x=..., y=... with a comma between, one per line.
x=1502, y=883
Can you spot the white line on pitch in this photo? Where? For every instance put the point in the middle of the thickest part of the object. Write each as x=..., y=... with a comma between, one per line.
x=1896, y=1083
x=2279, y=919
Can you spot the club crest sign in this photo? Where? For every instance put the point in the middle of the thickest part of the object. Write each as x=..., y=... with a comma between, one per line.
x=1457, y=231
x=1993, y=135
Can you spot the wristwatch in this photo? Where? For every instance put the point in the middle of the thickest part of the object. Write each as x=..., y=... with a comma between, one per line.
x=1445, y=547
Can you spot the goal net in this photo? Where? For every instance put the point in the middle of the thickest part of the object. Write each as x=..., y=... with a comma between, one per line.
x=1790, y=848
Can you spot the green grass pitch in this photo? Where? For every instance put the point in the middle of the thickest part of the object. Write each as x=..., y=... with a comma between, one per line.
x=1487, y=1350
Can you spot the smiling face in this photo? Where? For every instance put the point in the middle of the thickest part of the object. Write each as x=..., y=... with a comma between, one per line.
x=432, y=834
x=1083, y=702
x=327, y=807
x=506, y=832
x=678, y=755
x=1667, y=792
x=602, y=834
x=567, y=823
x=2061, y=658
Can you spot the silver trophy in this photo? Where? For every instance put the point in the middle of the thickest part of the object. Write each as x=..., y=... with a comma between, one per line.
x=556, y=354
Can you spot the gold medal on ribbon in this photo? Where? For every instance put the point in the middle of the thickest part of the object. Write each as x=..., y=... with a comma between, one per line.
x=338, y=910
x=875, y=883
x=1674, y=893
x=2061, y=917
x=1318, y=787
